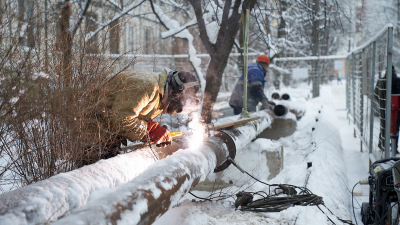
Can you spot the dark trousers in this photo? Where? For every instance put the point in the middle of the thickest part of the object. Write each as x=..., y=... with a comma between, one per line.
x=237, y=110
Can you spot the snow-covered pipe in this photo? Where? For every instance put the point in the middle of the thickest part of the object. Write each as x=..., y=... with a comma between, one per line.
x=52, y=198
x=281, y=110
x=160, y=187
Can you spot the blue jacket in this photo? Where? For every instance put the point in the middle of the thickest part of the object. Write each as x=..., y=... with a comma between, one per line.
x=255, y=74
x=255, y=88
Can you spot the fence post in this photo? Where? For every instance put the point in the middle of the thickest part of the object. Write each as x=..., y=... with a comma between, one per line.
x=347, y=87
x=371, y=119
x=361, y=94
x=353, y=59
x=388, y=92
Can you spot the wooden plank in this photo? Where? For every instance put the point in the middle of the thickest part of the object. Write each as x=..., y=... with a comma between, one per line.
x=239, y=123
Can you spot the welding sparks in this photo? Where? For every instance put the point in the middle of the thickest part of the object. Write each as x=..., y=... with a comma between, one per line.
x=198, y=130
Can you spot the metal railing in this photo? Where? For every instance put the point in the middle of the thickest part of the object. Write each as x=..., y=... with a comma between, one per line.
x=368, y=93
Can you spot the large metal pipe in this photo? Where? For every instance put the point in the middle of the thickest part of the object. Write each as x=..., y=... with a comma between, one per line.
x=70, y=191
x=150, y=195
x=52, y=198
x=49, y=199
x=282, y=110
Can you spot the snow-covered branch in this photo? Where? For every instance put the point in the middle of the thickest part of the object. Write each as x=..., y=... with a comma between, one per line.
x=176, y=30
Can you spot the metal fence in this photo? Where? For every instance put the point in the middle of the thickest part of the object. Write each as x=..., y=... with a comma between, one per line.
x=368, y=94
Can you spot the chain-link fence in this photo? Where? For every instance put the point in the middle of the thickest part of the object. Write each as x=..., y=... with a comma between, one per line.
x=368, y=95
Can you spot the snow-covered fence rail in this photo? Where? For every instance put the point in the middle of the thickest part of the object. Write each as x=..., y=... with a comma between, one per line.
x=368, y=95
x=160, y=187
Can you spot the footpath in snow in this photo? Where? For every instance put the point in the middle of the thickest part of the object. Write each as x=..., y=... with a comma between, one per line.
x=337, y=164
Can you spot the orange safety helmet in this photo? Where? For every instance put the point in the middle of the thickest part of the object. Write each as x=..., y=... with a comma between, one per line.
x=263, y=58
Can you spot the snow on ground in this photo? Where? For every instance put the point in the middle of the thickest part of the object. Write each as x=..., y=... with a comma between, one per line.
x=337, y=164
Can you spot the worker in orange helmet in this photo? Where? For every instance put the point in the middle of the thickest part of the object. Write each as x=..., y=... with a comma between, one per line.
x=255, y=87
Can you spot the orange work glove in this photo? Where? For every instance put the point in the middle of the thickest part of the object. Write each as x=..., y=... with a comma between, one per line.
x=158, y=134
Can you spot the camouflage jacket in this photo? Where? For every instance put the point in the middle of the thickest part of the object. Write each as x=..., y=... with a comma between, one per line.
x=131, y=100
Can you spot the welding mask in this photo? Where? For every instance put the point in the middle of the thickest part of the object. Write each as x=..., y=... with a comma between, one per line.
x=182, y=93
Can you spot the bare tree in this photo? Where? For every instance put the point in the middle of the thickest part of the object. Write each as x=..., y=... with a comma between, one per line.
x=227, y=17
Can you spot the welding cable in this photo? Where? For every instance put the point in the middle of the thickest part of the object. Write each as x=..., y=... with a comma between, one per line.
x=277, y=204
x=304, y=192
x=352, y=202
x=205, y=199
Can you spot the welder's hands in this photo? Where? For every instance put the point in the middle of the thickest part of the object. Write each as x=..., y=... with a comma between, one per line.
x=158, y=134
x=272, y=103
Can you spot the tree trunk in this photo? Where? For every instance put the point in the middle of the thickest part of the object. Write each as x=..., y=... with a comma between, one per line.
x=66, y=44
x=282, y=22
x=91, y=26
x=1, y=18
x=114, y=37
x=31, y=22
x=219, y=51
x=46, y=60
x=213, y=83
x=21, y=19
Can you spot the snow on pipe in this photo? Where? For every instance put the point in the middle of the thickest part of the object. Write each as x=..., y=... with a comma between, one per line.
x=282, y=110
x=161, y=186
x=52, y=198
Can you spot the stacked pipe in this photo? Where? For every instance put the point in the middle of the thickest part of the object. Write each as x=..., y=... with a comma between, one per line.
x=284, y=96
x=157, y=189
x=283, y=109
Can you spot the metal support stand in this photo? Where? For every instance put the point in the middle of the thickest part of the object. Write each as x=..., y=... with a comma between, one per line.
x=245, y=113
x=388, y=91
x=371, y=118
x=353, y=60
x=393, y=144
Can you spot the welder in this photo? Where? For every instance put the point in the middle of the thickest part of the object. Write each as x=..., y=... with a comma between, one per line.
x=255, y=87
x=130, y=104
